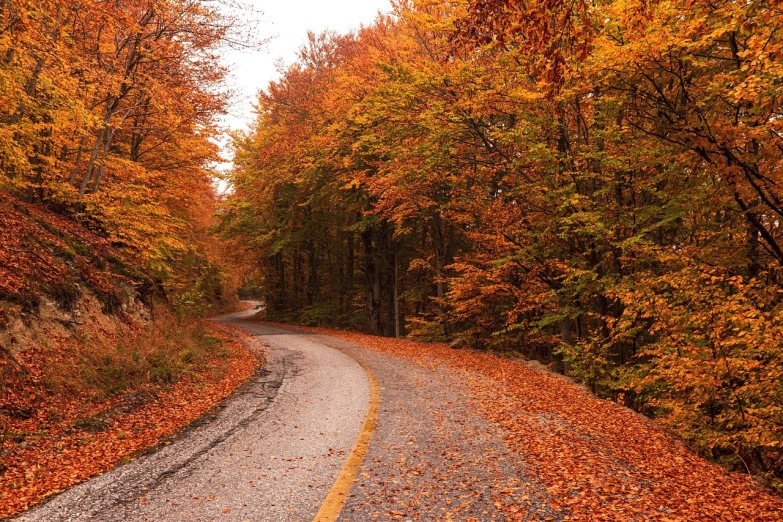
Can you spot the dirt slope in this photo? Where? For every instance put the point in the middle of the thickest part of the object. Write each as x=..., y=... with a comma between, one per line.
x=93, y=364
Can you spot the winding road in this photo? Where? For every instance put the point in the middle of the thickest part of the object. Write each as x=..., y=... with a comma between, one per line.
x=327, y=430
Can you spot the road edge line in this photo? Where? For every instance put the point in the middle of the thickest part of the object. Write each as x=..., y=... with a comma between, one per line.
x=333, y=505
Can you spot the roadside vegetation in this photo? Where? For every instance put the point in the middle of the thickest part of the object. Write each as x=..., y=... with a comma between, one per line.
x=96, y=406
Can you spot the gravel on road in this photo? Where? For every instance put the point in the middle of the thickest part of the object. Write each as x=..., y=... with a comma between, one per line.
x=271, y=454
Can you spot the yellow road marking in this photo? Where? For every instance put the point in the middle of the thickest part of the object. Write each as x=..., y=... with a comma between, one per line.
x=338, y=495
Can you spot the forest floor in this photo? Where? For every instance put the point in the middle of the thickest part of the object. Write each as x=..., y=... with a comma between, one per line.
x=41, y=457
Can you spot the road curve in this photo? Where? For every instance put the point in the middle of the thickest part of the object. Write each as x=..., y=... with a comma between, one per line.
x=284, y=448
x=276, y=448
x=272, y=452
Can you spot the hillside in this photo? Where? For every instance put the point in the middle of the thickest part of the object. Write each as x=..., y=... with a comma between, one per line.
x=48, y=259
x=86, y=341
x=62, y=287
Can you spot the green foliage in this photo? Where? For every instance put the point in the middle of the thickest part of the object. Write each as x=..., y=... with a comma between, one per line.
x=589, y=362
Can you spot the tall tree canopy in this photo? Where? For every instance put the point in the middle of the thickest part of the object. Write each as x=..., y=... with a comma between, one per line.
x=108, y=113
x=597, y=184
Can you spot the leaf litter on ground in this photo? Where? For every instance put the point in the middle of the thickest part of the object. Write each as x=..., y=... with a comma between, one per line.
x=597, y=460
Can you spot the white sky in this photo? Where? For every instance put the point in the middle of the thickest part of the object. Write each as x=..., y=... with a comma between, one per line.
x=286, y=23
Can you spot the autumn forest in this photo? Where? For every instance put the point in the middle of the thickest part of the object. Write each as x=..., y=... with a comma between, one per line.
x=595, y=185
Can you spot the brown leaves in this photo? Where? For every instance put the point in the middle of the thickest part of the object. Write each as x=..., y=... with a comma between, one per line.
x=598, y=460
x=558, y=31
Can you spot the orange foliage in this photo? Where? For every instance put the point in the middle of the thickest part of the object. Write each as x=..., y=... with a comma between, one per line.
x=597, y=185
x=110, y=117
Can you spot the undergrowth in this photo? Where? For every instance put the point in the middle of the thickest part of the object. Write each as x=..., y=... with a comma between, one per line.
x=158, y=354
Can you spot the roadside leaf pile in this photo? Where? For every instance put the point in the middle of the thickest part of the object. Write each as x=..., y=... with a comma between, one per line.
x=42, y=456
x=598, y=460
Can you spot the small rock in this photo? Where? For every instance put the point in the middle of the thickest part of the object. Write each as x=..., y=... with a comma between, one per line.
x=457, y=343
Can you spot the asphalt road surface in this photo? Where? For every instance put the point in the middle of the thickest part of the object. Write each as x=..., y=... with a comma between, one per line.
x=277, y=448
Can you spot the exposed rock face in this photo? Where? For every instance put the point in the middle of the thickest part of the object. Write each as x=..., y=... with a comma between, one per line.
x=457, y=343
x=52, y=325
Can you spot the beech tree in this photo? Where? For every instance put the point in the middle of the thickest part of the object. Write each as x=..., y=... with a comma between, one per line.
x=109, y=113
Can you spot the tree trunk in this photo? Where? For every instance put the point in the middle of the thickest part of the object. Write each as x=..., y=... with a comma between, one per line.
x=396, y=294
x=314, y=289
x=332, y=282
x=91, y=164
x=296, y=290
x=373, y=278
x=281, y=283
x=351, y=274
x=78, y=162
x=106, y=147
x=440, y=284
